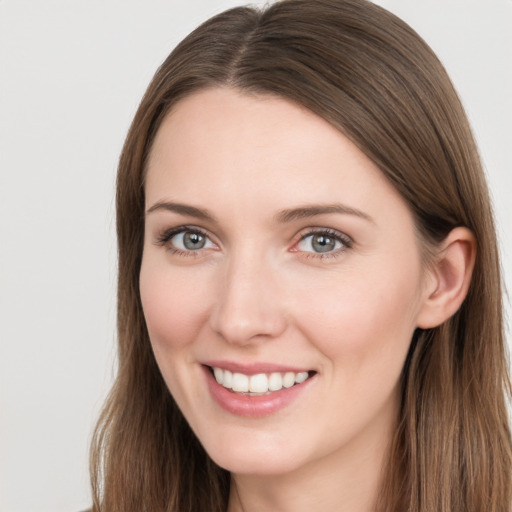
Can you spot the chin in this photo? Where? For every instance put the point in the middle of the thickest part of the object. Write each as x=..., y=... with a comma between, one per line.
x=258, y=458
x=243, y=465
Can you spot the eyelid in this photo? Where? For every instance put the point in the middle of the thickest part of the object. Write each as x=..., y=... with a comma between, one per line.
x=343, y=238
x=165, y=236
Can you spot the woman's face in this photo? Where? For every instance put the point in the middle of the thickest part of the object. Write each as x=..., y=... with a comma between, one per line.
x=275, y=251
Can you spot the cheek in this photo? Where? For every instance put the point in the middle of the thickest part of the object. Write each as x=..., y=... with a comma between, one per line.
x=174, y=305
x=363, y=315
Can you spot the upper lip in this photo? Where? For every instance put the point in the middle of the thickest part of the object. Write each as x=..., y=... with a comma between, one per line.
x=255, y=367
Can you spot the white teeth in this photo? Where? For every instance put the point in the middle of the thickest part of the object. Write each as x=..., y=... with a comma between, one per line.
x=259, y=383
x=219, y=374
x=227, y=379
x=301, y=377
x=275, y=382
x=240, y=382
x=289, y=379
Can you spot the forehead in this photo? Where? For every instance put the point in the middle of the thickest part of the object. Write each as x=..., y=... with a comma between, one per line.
x=258, y=151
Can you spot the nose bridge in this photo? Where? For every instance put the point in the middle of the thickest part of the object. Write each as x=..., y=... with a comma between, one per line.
x=248, y=306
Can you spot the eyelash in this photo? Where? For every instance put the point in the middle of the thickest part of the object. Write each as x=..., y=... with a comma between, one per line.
x=345, y=241
x=164, y=238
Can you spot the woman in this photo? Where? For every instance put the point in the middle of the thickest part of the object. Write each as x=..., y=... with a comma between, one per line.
x=309, y=293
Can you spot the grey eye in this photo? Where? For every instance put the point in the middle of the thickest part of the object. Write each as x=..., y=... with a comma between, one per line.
x=323, y=243
x=191, y=241
x=320, y=243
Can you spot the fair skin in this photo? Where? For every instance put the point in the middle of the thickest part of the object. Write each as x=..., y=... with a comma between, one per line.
x=272, y=240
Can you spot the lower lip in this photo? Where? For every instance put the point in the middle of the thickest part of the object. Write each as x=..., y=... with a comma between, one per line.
x=253, y=406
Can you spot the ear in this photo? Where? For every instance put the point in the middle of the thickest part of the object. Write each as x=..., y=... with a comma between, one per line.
x=448, y=278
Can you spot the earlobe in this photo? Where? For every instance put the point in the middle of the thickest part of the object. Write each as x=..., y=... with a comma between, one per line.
x=449, y=278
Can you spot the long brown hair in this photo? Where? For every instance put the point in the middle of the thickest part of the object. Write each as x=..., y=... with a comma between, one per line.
x=372, y=77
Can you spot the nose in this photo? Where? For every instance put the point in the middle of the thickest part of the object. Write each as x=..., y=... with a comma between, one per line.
x=249, y=308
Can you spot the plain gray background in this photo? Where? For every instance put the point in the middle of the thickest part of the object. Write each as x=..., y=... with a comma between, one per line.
x=72, y=73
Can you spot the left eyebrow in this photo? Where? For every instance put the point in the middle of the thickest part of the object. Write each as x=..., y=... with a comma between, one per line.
x=304, y=212
x=182, y=209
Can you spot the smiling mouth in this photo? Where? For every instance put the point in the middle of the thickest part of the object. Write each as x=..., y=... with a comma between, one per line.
x=259, y=384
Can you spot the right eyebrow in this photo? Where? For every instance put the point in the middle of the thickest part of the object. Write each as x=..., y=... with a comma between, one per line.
x=182, y=209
